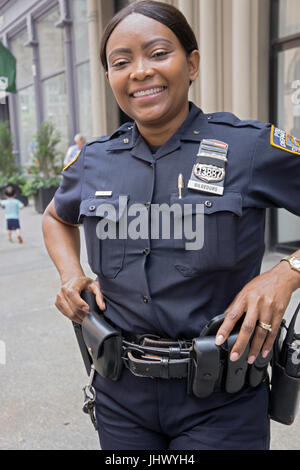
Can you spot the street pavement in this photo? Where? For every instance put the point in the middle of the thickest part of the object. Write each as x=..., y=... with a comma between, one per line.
x=43, y=375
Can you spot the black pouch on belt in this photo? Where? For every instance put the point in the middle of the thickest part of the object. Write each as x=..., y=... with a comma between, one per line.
x=285, y=383
x=103, y=341
x=205, y=366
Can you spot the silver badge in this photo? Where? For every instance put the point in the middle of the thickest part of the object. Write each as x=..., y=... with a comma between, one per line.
x=209, y=173
x=210, y=167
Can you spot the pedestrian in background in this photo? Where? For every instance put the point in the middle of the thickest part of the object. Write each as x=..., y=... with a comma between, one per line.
x=12, y=207
x=73, y=150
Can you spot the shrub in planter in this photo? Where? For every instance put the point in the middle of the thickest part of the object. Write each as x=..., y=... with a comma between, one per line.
x=42, y=189
x=48, y=163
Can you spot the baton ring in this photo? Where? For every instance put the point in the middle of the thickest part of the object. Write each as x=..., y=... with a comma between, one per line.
x=265, y=326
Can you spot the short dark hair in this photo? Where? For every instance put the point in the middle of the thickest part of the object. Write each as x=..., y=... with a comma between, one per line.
x=166, y=14
x=9, y=191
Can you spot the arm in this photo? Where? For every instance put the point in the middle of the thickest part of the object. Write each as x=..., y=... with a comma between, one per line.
x=265, y=298
x=62, y=241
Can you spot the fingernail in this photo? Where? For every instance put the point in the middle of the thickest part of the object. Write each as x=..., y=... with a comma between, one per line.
x=251, y=359
x=265, y=353
x=234, y=356
x=219, y=340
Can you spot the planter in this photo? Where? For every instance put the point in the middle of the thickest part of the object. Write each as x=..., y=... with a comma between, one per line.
x=43, y=197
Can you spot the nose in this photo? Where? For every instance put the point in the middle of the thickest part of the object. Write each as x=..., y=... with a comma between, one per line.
x=141, y=70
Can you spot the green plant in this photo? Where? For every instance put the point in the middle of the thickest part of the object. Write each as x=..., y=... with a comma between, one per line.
x=8, y=165
x=48, y=160
x=32, y=185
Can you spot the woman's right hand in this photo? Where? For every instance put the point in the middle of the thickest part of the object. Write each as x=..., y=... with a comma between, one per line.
x=69, y=301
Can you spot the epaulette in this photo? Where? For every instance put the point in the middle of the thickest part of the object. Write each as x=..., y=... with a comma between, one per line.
x=117, y=133
x=232, y=120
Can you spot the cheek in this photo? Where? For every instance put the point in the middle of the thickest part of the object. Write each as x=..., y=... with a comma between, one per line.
x=117, y=84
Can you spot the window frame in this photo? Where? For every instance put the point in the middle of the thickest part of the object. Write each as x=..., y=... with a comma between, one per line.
x=277, y=45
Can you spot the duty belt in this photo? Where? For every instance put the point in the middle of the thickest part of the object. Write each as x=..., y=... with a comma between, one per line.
x=206, y=366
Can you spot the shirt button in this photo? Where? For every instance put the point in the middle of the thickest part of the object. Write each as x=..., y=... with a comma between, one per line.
x=208, y=203
x=147, y=205
x=146, y=251
x=146, y=299
x=92, y=208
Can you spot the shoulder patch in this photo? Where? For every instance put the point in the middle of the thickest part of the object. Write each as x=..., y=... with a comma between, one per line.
x=282, y=140
x=73, y=161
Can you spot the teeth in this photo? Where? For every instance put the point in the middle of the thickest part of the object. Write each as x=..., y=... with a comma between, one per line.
x=153, y=91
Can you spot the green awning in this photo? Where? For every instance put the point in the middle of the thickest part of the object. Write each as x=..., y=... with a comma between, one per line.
x=7, y=70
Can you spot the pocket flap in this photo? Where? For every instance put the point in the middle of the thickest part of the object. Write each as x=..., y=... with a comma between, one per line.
x=108, y=208
x=229, y=202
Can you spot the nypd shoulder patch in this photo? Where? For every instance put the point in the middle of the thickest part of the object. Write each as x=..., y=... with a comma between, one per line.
x=282, y=140
x=73, y=161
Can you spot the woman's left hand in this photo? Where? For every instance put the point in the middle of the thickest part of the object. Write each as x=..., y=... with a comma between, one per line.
x=264, y=299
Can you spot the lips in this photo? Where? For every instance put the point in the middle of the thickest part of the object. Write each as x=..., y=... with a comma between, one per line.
x=148, y=92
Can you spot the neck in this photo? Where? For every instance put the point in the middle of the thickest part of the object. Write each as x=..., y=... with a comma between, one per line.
x=157, y=134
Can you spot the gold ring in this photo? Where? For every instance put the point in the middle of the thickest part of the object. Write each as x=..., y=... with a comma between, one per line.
x=265, y=326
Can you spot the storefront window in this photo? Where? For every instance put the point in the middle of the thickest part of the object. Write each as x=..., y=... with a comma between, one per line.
x=81, y=42
x=286, y=112
x=84, y=99
x=80, y=28
x=51, y=44
x=27, y=124
x=289, y=17
x=25, y=98
x=24, y=60
x=56, y=107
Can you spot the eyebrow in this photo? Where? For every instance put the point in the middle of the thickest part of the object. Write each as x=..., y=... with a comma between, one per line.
x=144, y=46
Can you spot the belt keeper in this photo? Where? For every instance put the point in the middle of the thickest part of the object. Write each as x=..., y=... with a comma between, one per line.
x=174, y=352
x=164, y=367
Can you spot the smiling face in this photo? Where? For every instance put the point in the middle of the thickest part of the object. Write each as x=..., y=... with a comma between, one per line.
x=150, y=72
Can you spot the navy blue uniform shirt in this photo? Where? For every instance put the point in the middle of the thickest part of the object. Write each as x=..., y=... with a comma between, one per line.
x=156, y=285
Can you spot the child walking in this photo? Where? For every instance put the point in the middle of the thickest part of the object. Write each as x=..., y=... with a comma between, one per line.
x=12, y=207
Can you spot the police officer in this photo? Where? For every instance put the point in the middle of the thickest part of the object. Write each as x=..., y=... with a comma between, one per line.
x=231, y=169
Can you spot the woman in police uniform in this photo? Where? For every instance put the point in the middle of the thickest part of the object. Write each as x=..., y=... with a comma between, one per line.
x=153, y=285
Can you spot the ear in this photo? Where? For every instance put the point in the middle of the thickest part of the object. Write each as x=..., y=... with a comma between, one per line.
x=107, y=77
x=194, y=62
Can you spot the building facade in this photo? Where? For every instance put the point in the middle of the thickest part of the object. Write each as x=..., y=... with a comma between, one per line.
x=250, y=66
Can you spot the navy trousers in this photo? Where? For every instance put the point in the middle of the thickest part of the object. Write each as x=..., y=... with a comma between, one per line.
x=137, y=413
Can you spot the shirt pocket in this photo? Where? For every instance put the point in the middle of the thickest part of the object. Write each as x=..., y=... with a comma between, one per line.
x=216, y=228
x=105, y=248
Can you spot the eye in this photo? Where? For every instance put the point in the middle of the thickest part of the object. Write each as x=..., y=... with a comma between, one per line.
x=119, y=63
x=159, y=53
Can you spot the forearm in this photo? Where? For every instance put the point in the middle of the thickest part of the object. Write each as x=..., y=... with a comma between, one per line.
x=63, y=244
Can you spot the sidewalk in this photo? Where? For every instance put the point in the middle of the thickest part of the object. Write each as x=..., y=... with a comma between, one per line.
x=41, y=382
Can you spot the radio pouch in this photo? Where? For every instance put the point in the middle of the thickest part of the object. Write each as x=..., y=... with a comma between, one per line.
x=104, y=344
x=285, y=383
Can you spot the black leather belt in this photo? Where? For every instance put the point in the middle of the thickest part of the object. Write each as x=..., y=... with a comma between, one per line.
x=150, y=356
